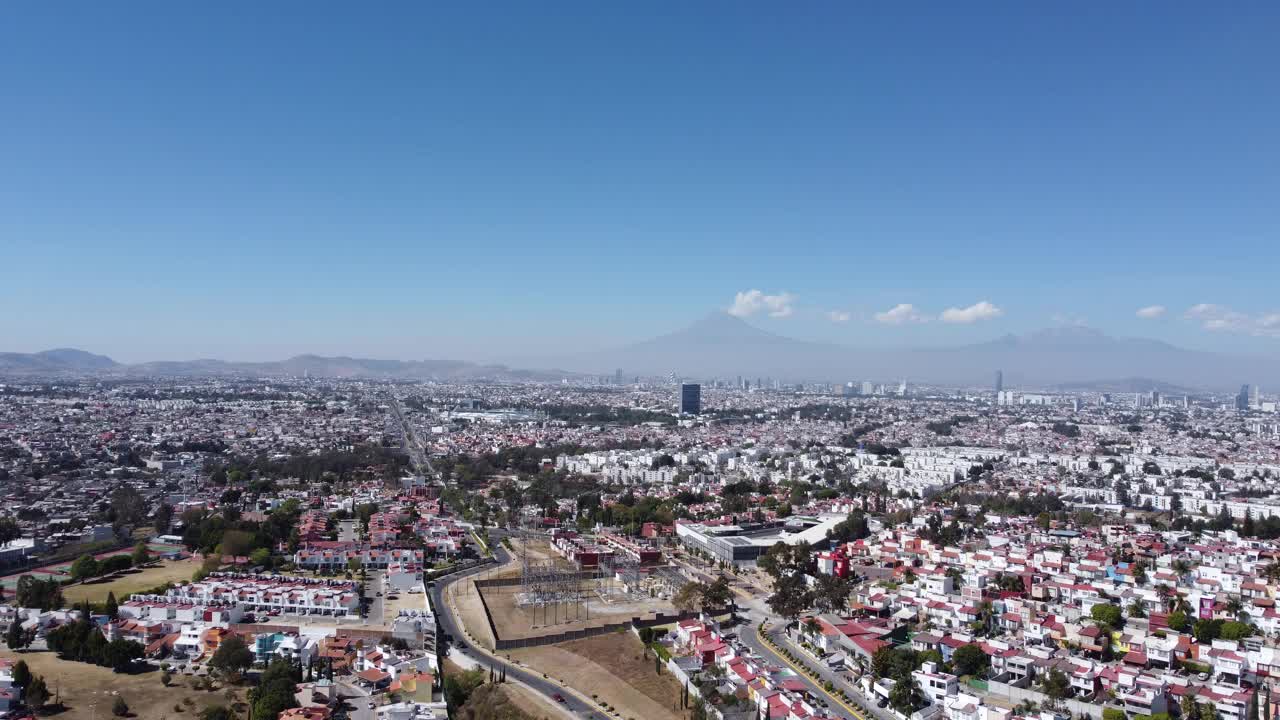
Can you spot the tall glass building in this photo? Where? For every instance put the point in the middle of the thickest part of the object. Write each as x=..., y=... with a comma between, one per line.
x=690, y=399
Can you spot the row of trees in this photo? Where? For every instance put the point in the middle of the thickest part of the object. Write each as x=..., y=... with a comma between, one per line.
x=788, y=566
x=714, y=595
x=83, y=641
x=216, y=533
x=87, y=566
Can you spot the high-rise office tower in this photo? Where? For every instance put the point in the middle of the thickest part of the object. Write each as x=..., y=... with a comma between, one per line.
x=1242, y=398
x=999, y=381
x=690, y=399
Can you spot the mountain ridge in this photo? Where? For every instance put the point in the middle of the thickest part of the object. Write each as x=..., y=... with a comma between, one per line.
x=70, y=361
x=720, y=345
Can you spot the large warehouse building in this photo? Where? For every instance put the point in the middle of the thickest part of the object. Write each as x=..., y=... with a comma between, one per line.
x=744, y=544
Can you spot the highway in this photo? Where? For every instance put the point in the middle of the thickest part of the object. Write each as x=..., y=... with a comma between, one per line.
x=450, y=625
x=417, y=455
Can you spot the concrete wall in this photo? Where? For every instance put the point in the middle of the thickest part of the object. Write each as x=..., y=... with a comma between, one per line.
x=1017, y=695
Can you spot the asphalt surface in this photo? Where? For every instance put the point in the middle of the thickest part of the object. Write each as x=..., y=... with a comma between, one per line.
x=359, y=699
x=839, y=680
x=747, y=635
x=417, y=454
x=450, y=625
x=377, y=600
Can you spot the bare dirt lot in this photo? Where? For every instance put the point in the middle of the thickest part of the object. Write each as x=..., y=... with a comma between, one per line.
x=513, y=621
x=88, y=690
x=616, y=669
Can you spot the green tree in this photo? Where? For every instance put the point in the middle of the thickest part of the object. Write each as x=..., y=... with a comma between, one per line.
x=21, y=674
x=119, y=707
x=831, y=593
x=163, y=518
x=1178, y=621
x=16, y=638
x=791, y=596
x=232, y=656
x=716, y=595
x=1190, y=708
x=970, y=660
x=1055, y=684
x=84, y=567
x=120, y=654
x=113, y=606
x=1107, y=614
x=1234, y=630
x=37, y=694
x=274, y=693
x=882, y=662
x=140, y=555
x=688, y=597
x=904, y=696
x=1206, y=631
x=9, y=531
x=260, y=557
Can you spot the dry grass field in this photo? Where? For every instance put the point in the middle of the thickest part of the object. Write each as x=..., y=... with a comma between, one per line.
x=614, y=668
x=124, y=584
x=88, y=690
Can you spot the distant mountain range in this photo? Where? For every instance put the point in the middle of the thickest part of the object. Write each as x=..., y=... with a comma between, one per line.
x=721, y=345
x=77, y=362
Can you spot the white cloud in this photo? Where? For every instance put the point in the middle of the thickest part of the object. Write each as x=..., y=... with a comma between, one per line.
x=746, y=304
x=1219, y=318
x=900, y=314
x=966, y=316
x=838, y=316
x=1151, y=312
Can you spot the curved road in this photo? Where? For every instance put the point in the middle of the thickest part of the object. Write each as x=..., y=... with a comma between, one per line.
x=450, y=624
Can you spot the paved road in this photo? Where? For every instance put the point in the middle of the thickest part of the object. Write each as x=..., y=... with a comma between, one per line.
x=449, y=624
x=748, y=636
x=374, y=586
x=421, y=462
x=359, y=699
x=840, y=680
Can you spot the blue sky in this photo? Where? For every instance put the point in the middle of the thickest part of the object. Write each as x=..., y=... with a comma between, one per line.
x=250, y=180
